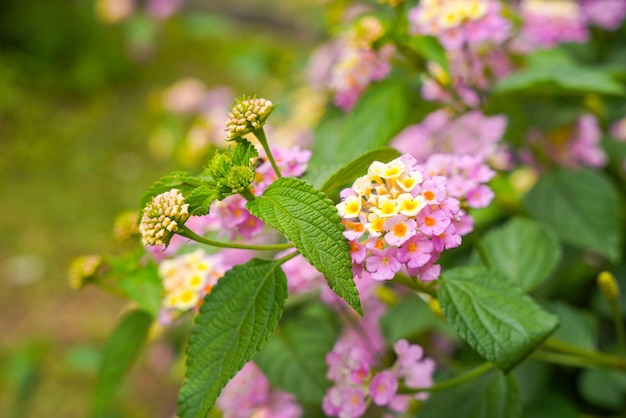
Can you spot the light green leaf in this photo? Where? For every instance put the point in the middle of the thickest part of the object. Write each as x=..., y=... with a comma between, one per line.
x=430, y=48
x=492, y=395
x=294, y=358
x=524, y=251
x=582, y=207
x=554, y=71
x=137, y=280
x=358, y=167
x=310, y=220
x=234, y=321
x=378, y=116
x=495, y=318
x=177, y=180
x=576, y=326
x=119, y=354
x=200, y=199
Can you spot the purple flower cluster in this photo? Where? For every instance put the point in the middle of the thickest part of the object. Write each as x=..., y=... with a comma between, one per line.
x=546, y=23
x=249, y=394
x=460, y=22
x=472, y=133
x=351, y=366
x=398, y=215
x=575, y=145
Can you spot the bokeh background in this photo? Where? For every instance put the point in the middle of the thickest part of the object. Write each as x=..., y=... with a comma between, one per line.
x=82, y=135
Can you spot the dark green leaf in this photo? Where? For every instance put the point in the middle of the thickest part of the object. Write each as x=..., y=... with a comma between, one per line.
x=294, y=358
x=582, y=207
x=378, y=116
x=524, y=251
x=495, y=318
x=119, y=354
x=551, y=405
x=235, y=320
x=310, y=220
x=177, y=180
x=357, y=168
x=603, y=388
x=492, y=395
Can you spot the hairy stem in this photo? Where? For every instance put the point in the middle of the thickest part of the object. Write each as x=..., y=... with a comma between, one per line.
x=188, y=233
x=260, y=134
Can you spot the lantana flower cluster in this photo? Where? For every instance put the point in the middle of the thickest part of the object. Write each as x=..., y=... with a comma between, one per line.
x=351, y=366
x=186, y=280
x=460, y=22
x=249, y=394
x=162, y=217
x=398, y=215
x=230, y=214
x=547, y=23
x=573, y=146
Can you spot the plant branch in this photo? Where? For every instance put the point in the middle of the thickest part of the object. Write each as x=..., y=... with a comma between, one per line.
x=188, y=233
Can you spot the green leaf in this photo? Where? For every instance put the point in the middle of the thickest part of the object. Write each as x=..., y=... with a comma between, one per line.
x=177, y=180
x=582, y=207
x=234, y=321
x=603, y=388
x=576, y=326
x=137, y=280
x=310, y=220
x=524, y=251
x=200, y=199
x=119, y=354
x=358, y=167
x=554, y=71
x=551, y=405
x=294, y=358
x=378, y=116
x=409, y=318
x=430, y=48
x=495, y=318
x=492, y=395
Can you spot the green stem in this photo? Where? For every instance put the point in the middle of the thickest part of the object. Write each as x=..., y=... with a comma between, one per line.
x=188, y=233
x=288, y=257
x=247, y=194
x=601, y=359
x=415, y=284
x=459, y=380
x=260, y=135
x=563, y=359
x=618, y=322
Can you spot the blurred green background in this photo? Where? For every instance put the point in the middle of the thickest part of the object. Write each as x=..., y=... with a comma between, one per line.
x=77, y=109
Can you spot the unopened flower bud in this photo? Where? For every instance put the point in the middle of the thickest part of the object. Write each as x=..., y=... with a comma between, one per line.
x=82, y=269
x=608, y=286
x=247, y=115
x=162, y=218
x=435, y=307
x=126, y=225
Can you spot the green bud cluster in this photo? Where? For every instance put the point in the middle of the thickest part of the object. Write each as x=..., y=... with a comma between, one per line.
x=247, y=115
x=162, y=218
x=233, y=171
